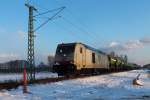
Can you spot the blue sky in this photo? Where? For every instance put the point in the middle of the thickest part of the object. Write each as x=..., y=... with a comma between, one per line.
x=119, y=25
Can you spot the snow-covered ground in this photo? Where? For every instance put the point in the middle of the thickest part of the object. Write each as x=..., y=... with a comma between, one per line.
x=19, y=76
x=116, y=86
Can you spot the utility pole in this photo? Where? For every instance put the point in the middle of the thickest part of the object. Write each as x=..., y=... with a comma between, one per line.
x=31, y=36
x=30, y=59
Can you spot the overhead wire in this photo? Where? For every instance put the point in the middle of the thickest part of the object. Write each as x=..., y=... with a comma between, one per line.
x=94, y=37
x=70, y=23
x=50, y=18
x=46, y=12
x=77, y=19
x=49, y=11
x=67, y=30
x=82, y=30
x=79, y=28
x=74, y=25
x=28, y=1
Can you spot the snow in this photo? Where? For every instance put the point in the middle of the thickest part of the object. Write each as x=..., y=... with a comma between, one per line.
x=6, y=77
x=19, y=76
x=116, y=86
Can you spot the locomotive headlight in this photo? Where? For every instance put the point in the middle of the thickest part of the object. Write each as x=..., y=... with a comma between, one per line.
x=57, y=63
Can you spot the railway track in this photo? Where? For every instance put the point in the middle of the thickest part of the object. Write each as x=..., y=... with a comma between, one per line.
x=15, y=84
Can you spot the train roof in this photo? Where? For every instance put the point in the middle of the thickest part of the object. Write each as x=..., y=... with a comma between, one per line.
x=96, y=50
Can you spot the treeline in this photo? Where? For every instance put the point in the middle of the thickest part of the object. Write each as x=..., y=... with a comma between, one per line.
x=20, y=70
x=17, y=66
x=147, y=66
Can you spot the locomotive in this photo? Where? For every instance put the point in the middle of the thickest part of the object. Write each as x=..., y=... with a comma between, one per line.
x=78, y=58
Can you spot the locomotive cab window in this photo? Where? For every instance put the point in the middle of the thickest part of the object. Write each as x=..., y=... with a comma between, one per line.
x=93, y=57
x=65, y=50
x=80, y=50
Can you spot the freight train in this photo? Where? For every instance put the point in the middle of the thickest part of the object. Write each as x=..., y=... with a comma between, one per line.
x=78, y=58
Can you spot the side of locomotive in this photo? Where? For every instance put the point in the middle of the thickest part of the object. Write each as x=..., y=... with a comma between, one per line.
x=78, y=58
x=90, y=60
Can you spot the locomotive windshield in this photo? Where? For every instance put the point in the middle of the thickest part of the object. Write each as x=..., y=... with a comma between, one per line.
x=65, y=51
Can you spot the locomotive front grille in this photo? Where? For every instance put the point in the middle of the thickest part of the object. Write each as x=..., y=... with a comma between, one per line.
x=64, y=69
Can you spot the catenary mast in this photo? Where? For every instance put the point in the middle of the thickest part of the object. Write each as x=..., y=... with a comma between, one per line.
x=30, y=57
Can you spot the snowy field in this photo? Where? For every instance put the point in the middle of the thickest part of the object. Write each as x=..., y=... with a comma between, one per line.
x=116, y=86
x=18, y=77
